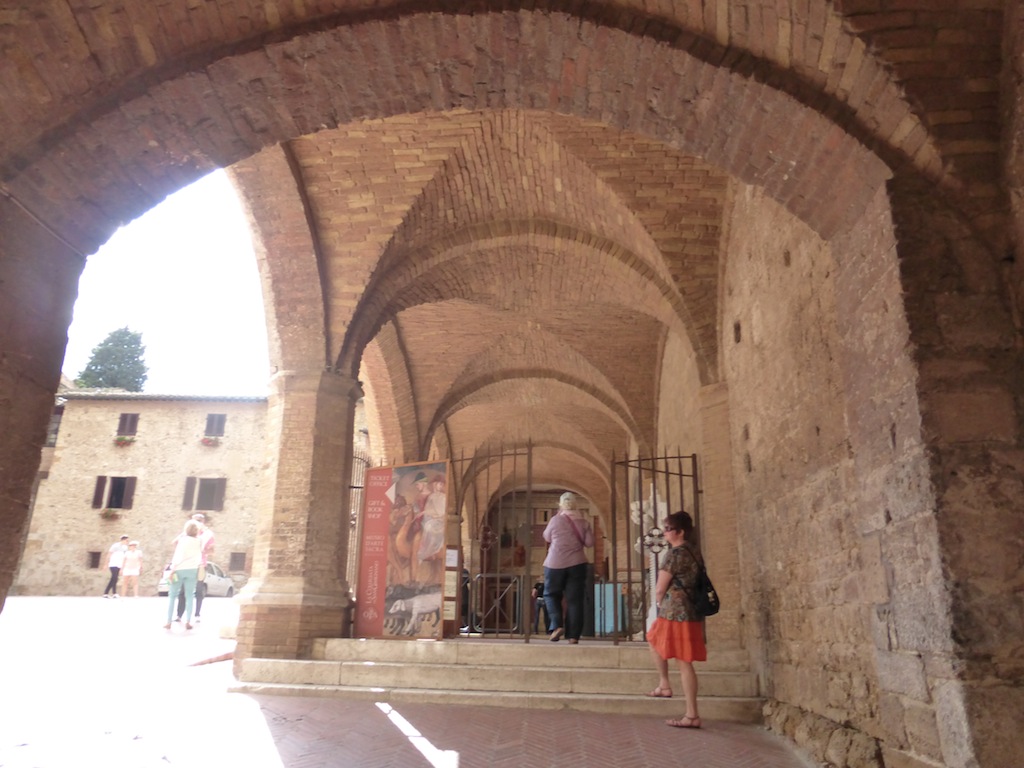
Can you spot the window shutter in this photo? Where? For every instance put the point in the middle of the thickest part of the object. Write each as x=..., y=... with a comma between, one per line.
x=128, y=424
x=215, y=424
x=190, y=493
x=129, y=492
x=97, y=494
x=218, y=495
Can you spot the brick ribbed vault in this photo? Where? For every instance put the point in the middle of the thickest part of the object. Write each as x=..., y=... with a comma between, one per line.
x=498, y=170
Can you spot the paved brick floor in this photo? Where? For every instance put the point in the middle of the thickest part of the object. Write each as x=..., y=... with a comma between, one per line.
x=88, y=681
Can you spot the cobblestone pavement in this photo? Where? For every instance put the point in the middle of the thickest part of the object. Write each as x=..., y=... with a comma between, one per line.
x=89, y=681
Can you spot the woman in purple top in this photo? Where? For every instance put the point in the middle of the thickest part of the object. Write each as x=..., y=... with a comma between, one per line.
x=565, y=568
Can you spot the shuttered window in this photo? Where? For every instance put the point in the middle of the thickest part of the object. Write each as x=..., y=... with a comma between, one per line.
x=204, y=493
x=99, y=493
x=190, y=494
x=215, y=423
x=128, y=424
x=113, y=492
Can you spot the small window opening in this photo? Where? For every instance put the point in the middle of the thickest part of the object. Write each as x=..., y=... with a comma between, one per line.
x=128, y=424
x=215, y=423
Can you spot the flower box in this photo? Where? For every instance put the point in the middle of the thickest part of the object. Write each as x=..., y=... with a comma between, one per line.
x=111, y=514
x=123, y=440
x=210, y=440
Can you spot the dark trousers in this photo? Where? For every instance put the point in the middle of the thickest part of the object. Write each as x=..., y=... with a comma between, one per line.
x=541, y=606
x=200, y=594
x=571, y=582
x=112, y=584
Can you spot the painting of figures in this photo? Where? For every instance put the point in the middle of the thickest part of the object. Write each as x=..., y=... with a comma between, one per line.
x=402, y=549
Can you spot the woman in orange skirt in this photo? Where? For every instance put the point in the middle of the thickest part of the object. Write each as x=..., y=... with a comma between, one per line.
x=678, y=632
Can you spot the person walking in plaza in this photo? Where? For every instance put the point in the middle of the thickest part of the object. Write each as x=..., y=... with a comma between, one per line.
x=185, y=563
x=565, y=569
x=678, y=632
x=206, y=539
x=115, y=559
x=132, y=569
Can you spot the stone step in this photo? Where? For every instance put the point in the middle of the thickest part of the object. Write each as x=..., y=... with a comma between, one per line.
x=516, y=653
x=736, y=710
x=591, y=676
x=485, y=677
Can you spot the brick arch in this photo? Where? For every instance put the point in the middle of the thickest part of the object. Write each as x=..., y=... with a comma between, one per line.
x=559, y=409
x=495, y=388
x=495, y=442
x=389, y=367
x=130, y=51
x=589, y=481
x=419, y=360
x=116, y=158
x=540, y=350
x=564, y=465
x=294, y=304
x=461, y=266
x=394, y=438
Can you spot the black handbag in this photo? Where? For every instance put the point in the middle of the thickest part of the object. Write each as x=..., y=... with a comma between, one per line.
x=704, y=597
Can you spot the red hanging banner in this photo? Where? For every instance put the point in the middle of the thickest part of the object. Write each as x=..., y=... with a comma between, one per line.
x=402, y=551
x=373, y=553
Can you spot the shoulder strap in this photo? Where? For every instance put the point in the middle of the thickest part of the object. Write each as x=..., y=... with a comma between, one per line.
x=576, y=530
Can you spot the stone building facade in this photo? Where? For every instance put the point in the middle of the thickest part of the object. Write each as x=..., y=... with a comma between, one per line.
x=783, y=236
x=174, y=456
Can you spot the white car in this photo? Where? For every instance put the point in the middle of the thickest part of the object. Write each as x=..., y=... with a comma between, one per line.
x=218, y=583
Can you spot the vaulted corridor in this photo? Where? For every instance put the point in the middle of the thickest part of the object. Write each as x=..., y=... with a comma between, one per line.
x=780, y=236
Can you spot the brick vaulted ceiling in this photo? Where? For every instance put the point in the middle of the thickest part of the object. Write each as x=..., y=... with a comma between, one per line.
x=496, y=213
x=515, y=273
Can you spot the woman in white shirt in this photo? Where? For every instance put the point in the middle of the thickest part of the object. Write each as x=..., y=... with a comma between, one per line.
x=188, y=556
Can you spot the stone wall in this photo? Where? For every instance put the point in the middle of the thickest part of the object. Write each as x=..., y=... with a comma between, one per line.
x=679, y=420
x=38, y=280
x=695, y=419
x=65, y=528
x=805, y=602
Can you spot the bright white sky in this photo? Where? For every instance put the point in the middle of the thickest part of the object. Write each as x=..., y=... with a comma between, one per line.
x=184, y=275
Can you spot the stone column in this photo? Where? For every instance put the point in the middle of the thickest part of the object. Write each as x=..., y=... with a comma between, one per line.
x=39, y=274
x=718, y=516
x=297, y=591
x=932, y=404
x=969, y=362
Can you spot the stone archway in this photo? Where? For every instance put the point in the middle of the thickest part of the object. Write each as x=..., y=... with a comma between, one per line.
x=818, y=124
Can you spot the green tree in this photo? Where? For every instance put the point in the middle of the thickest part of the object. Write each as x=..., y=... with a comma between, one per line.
x=116, y=362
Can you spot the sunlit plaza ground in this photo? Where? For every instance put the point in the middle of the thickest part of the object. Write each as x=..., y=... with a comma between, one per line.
x=91, y=682
x=100, y=682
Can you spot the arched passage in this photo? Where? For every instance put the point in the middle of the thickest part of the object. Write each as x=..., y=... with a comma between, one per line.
x=814, y=120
